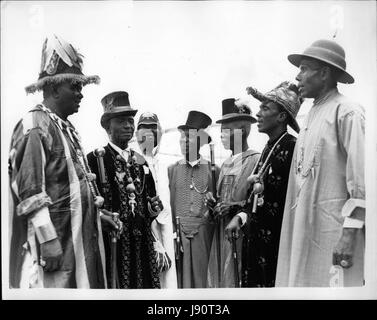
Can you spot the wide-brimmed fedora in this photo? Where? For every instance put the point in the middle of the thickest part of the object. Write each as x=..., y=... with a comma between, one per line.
x=232, y=111
x=198, y=121
x=61, y=62
x=327, y=51
x=286, y=95
x=116, y=104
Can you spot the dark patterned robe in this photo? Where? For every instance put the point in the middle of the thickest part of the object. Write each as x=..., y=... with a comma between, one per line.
x=136, y=261
x=260, y=250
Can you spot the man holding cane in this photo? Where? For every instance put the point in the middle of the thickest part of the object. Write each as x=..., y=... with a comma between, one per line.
x=278, y=109
x=231, y=195
x=129, y=190
x=189, y=180
x=56, y=232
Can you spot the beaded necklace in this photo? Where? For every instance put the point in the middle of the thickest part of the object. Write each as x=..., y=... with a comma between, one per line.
x=258, y=187
x=128, y=187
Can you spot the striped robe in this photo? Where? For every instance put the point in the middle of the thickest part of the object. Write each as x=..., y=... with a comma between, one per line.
x=43, y=171
x=232, y=187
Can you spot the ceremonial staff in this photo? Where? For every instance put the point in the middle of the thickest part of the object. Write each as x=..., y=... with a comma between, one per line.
x=213, y=171
x=99, y=154
x=237, y=281
x=178, y=250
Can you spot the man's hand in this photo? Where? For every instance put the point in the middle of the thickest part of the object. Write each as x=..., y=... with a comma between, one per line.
x=209, y=200
x=107, y=222
x=156, y=203
x=233, y=228
x=344, y=250
x=51, y=255
x=162, y=258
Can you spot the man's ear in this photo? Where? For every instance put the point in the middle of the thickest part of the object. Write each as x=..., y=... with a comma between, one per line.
x=283, y=117
x=55, y=92
x=325, y=73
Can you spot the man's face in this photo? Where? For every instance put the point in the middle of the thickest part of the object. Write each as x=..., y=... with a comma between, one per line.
x=231, y=135
x=69, y=97
x=147, y=136
x=268, y=117
x=121, y=129
x=189, y=144
x=309, y=79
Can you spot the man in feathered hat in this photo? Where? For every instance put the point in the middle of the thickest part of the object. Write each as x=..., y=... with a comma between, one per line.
x=148, y=134
x=189, y=180
x=322, y=236
x=56, y=234
x=269, y=180
x=225, y=259
x=127, y=185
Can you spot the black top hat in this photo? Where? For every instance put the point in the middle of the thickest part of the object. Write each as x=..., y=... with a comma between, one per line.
x=116, y=104
x=199, y=121
x=233, y=112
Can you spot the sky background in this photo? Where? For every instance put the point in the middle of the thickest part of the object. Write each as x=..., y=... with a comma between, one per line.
x=172, y=57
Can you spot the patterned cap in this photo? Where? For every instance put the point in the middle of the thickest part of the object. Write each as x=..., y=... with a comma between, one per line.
x=60, y=62
x=285, y=94
x=148, y=118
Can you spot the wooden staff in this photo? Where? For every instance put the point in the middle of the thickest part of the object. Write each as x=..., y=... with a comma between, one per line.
x=99, y=154
x=178, y=250
x=237, y=282
x=218, y=226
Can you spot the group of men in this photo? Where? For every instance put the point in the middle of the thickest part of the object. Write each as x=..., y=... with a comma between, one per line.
x=118, y=218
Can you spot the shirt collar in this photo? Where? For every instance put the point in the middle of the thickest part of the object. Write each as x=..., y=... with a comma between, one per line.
x=324, y=98
x=194, y=163
x=191, y=163
x=119, y=150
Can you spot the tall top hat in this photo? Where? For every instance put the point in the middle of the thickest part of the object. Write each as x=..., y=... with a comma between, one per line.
x=60, y=62
x=199, y=121
x=327, y=51
x=233, y=111
x=285, y=94
x=116, y=104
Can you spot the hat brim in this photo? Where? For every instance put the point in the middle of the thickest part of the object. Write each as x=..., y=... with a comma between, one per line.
x=345, y=77
x=293, y=124
x=147, y=123
x=236, y=117
x=60, y=78
x=109, y=115
x=201, y=132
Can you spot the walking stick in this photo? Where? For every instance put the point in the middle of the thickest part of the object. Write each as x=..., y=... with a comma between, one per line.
x=178, y=250
x=218, y=225
x=237, y=281
x=99, y=154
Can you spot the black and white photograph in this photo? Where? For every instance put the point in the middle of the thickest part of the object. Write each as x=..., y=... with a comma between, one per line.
x=188, y=150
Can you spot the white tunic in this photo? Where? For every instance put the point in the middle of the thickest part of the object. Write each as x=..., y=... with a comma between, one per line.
x=326, y=184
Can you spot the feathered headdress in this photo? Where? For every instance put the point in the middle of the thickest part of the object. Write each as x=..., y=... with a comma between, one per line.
x=286, y=94
x=60, y=62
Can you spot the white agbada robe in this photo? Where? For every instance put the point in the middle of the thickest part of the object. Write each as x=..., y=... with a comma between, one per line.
x=326, y=184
